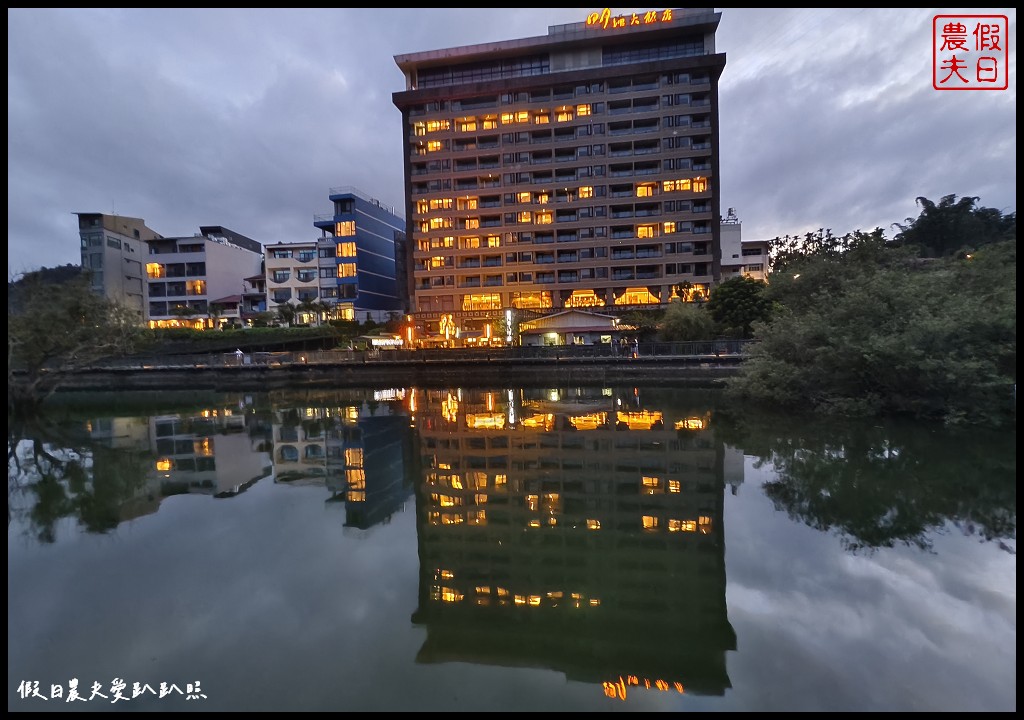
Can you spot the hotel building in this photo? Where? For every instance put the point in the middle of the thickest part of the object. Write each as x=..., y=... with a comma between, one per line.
x=576, y=169
x=747, y=258
x=186, y=273
x=357, y=249
x=114, y=251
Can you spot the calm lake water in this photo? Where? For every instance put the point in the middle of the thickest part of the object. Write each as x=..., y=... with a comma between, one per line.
x=523, y=549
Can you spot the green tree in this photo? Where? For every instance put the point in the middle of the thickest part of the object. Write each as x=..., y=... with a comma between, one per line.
x=54, y=329
x=685, y=321
x=951, y=226
x=646, y=322
x=739, y=302
x=286, y=313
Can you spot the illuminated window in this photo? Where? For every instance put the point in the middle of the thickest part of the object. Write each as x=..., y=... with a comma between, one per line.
x=441, y=204
x=442, y=242
x=676, y=185
x=584, y=298
x=346, y=228
x=345, y=249
x=531, y=300
x=422, y=206
x=704, y=522
x=542, y=198
x=674, y=486
x=433, y=145
x=155, y=270
x=650, y=522
x=645, y=190
x=525, y=197
x=354, y=457
x=480, y=498
x=582, y=110
x=346, y=270
x=437, y=125
x=543, y=217
x=472, y=223
x=500, y=481
x=437, y=223
x=356, y=478
x=563, y=114
x=466, y=124
x=593, y=524
x=481, y=301
x=163, y=464
x=669, y=227
x=651, y=485
x=419, y=128
x=195, y=287
x=493, y=241
x=490, y=122
x=469, y=203
x=533, y=502
x=469, y=243
x=586, y=192
x=700, y=184
x=646, y=231
x=542, y=118
x=525, y=216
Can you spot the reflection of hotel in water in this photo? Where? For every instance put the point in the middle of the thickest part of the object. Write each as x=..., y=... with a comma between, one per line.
x=582, y=536
x=356, y=447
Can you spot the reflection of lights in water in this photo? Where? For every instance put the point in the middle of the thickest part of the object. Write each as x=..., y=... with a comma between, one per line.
x=450, y=408
x=641, y=420
x=690, y=423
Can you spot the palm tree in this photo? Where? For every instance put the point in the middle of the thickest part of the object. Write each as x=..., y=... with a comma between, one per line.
x=286, y=313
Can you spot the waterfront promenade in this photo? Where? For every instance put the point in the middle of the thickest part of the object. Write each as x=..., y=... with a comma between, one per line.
x=693, y=363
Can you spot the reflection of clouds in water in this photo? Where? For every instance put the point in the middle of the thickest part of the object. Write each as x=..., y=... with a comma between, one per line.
x=913, y=630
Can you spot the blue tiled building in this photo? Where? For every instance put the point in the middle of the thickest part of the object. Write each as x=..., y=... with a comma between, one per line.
x=357, y=254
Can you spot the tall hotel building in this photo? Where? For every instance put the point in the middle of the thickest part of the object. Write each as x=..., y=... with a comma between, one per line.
x=576, y=169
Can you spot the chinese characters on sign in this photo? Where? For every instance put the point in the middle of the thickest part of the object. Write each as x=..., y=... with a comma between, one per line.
x=970, y=52
x=117, y=692
x=618, y=689
x=605, y=20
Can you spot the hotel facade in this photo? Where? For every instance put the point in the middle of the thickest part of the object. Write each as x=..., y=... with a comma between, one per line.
x=573, y=170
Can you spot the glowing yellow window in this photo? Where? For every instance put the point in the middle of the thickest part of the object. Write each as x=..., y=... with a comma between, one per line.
x=469, y=243
x=346, y=228
x=582, y=110
x=420, y=128
x=586, y=192
x=525, y=216
x=543, y=198
x=700, y=184
x=543, y=217
x=542, y=118
x=345, y=249
x=437, y=261
x=155, y=270
x=467, y=125
x=421, y=206
x=437, y=125
x=493, y=241
x=525, y=197
x=441, y=204
x=593, y=524
x=646, y=231
x=354, y=457
x=650, y=522
x=669, y=227
x=469, y=203
x=347, y=270
x=645, y=190
x=532, y=502
x=433, y=145
x=508, y=118
x=674, y=486
x=564, y=115
x=490, y=122
x=163, y=464
x=472, y=223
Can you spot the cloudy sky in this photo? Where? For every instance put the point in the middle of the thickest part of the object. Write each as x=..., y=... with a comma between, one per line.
x=246, y=118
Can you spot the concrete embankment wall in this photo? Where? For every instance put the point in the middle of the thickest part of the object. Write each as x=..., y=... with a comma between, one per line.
x=406, y=374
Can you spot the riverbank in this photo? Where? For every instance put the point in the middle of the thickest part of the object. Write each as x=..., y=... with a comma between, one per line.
x=403, y=373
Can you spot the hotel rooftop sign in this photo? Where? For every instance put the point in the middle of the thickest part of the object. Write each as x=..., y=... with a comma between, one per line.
x=604, y=19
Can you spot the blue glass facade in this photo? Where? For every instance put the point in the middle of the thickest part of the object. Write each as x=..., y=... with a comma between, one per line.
x=358, y=250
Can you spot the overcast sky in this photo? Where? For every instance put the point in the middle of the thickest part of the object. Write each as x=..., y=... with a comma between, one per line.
x=246, y=118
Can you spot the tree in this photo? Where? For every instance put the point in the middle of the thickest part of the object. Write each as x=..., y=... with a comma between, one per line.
x=286, y=313
x=686, y=322
x=55, y=328
x=951, y=226
x=738, y=303
x=185, y=314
